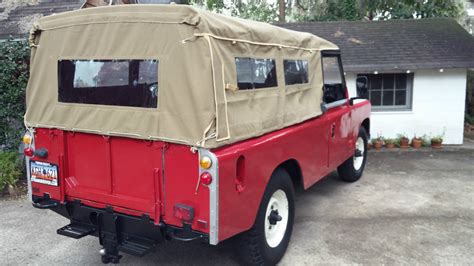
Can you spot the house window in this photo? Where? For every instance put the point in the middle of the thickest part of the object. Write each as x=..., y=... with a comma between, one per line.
x=255, y=73
x=296, y=71
x=389, y=92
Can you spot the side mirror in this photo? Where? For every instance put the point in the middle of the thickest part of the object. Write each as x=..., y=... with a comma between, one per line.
x=362, y=86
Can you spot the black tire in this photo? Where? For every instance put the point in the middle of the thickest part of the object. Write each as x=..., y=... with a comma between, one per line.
x=252, y=245
x=347, y=172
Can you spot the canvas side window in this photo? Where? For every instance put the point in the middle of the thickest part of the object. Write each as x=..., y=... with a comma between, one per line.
x=296, y=71
x=109, y=82
x=255, y=73
x=333, y=86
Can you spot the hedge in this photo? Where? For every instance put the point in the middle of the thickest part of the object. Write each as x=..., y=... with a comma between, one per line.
x=14, y=61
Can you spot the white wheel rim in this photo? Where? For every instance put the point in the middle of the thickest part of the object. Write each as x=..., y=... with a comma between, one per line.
x=358, y=160
x=274, y=233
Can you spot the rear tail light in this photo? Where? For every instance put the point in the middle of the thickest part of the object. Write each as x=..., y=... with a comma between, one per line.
x=206, y=178
x=28, y=151
x=28, y=142
x=207, y=169
x=183, y=212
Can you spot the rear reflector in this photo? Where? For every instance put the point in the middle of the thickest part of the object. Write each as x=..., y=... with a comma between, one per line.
x=183, y=212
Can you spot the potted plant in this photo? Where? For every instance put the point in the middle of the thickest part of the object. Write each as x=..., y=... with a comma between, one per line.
x=426, y=141
x=377, y=143
x=403, y=140
x=436, y=142
x=416, y=142
x=389, y=143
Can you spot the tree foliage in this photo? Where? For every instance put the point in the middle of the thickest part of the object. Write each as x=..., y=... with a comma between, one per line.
x=259, y=10
x=14, y=60
x=327, y=10
x=408, y=9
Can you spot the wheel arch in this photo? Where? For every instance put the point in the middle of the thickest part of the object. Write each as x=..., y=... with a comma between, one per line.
x=366, y=125
x=293, y=168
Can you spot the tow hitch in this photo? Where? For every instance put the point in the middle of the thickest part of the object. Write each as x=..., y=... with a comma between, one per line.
x=117, y=232
x=109, y=236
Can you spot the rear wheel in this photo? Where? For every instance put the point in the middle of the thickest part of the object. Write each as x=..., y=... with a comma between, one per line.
x=352, y=169
x=266, y=242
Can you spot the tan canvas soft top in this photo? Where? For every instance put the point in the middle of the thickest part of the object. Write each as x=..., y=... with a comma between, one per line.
x=198, y=103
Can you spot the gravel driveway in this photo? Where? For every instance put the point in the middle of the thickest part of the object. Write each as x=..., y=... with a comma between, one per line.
x=408, y=208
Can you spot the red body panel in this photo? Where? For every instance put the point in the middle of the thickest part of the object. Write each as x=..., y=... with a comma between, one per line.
x=139, y=177
x=309, y=143
x=124, y=173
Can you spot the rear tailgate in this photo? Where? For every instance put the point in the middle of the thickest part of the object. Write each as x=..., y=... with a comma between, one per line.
x=104, y=171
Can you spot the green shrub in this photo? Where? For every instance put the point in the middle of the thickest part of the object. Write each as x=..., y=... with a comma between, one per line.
x=9, y=169
x=469, y=119
x=14, y=61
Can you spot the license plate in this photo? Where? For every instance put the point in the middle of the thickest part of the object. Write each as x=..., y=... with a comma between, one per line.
x=44, y=173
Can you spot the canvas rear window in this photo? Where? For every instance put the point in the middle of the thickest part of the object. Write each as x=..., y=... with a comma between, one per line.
x=109, y=82
x=255, y=73
x=296, y=71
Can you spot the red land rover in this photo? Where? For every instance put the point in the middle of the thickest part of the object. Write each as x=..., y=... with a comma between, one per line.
x=156, y=122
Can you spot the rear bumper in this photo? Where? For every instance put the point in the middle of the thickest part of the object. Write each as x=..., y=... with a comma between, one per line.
x=116, y=231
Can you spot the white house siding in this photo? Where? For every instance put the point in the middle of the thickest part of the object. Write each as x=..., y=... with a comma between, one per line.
x=437, y=107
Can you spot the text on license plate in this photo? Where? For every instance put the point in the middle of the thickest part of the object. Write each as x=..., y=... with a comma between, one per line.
x=44, y=173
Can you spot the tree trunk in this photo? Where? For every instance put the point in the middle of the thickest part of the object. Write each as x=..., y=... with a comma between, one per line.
x=281, y=10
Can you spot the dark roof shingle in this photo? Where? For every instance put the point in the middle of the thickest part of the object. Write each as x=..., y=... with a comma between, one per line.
x=396, y=44
x=17, y=19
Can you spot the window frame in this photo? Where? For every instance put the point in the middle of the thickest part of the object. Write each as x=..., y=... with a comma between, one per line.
x=276, y=61
x=307, y=72
x=108, y=58
x=337, y=54
x=408, y=107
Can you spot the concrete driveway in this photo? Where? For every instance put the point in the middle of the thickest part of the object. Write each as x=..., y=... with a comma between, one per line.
x=408, y=208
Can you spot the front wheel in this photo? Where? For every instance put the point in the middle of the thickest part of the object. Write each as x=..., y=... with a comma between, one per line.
x=266, y=242
x=351, y=170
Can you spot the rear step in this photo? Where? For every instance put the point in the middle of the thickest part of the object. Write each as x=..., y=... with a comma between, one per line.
x=137, y=247
x=76, y=230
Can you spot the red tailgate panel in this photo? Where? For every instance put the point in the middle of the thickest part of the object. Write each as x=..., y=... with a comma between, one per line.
x=180, y=180
x=87, y=162
x=112, y=171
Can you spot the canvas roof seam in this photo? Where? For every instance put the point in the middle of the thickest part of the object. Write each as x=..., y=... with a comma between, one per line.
x=108, y=22
x=108, y=133
x=214, y=88
x=225, y=103
x=279, y=45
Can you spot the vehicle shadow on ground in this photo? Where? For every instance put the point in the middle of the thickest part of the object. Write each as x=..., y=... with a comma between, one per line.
x=199, y=253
